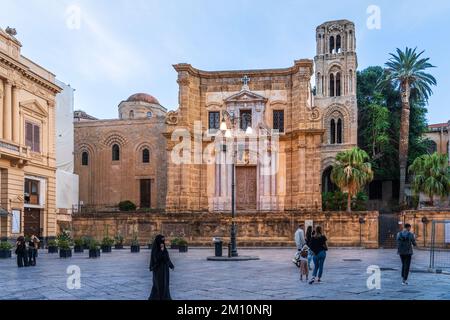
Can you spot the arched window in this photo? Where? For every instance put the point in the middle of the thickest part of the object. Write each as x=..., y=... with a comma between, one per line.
x=339, y=132
x=85, y=158
x=319, y=83
x=331, y=44
x=327, y=184
x=115, y=152
x=338, y=44
x=131, y=114
x=338, y=84
x=145, y=156
x=350, y=81
x=149, y=114
x=331, y=85
x=333, y=132
x=350, y=40
x=323, y=84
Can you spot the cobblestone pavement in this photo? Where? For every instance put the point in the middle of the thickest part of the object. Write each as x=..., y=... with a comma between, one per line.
x=125, y=276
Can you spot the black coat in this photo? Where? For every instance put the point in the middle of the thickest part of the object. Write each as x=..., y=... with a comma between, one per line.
x=159, y=265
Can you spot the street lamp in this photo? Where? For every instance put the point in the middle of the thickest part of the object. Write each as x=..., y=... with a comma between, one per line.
x=234, y=120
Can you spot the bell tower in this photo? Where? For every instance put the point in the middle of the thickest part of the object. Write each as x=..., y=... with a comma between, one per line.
x=335, y=77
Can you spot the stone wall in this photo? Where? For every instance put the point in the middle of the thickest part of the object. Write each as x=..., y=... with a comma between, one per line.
x=422, y=221
x=271, y=229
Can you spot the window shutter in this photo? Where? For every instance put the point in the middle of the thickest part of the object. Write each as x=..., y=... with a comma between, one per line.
x=29, y=135
x=36, y=139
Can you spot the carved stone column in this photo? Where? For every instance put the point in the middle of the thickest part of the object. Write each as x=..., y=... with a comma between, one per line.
x=15, y=114
x=7, y=120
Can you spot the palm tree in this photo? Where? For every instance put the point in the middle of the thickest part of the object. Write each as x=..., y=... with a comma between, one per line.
x=406, y=72
x=431, y=175
x=351, y=172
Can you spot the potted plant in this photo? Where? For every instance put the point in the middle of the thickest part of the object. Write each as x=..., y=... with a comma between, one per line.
x=64, y=249
x=118, y=242
x=135, y=247
x=107, y=243
x=5, y=250
x=52, y=246
x=87, y=242
x=182, y=245
x=94, y=250
x=79, y=246
x=174, y=243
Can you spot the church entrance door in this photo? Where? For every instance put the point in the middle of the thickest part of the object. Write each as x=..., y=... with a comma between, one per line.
x=246, y=188
x=32, y=222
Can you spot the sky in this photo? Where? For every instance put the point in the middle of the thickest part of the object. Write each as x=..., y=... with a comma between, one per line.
x=110, y=49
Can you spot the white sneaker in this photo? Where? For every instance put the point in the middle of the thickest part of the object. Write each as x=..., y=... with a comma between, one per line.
x=404, y=283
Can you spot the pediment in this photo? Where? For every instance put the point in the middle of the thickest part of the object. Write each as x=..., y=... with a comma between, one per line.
x=35, y=107
x=246, y=96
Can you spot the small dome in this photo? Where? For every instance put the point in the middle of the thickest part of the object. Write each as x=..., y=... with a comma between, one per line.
x=143, y=97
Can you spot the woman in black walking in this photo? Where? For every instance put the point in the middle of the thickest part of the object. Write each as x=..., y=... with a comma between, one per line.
x=21, y=252
x=159, y=265
x=319, y=248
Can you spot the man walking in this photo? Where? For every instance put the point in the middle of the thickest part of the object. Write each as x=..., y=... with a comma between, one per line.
x=300, y=237
x=405, y=241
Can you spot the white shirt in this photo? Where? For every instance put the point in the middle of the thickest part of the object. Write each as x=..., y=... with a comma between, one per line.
x=300, y=238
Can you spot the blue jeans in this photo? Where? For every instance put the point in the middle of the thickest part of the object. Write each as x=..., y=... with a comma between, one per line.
x=310, y=257
x=319, y=260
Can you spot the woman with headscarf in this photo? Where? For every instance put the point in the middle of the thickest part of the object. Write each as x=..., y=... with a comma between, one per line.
x=159, y=265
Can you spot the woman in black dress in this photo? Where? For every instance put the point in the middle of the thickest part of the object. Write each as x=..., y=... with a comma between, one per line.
x=21, y=252
x=159, y=265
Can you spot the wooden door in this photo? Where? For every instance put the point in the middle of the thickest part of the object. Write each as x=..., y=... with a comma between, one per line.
x=146, y=196
x=246, y=188
x=32, y=222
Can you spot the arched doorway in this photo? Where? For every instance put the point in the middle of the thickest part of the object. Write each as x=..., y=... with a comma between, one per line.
x=327, y=184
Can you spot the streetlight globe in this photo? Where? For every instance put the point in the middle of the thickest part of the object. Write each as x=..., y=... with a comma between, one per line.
x=228, y=133
x=249, y=130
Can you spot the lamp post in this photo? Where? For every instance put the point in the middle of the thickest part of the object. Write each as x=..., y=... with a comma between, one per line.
x=234, y=120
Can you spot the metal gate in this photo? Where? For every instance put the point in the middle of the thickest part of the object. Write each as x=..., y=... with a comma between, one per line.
x=440, y=245
x=388, y=228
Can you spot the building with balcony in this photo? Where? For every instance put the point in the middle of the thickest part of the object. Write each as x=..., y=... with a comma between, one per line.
x=27, y=144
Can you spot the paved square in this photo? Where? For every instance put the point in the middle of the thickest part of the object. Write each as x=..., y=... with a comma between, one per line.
x=125, y=276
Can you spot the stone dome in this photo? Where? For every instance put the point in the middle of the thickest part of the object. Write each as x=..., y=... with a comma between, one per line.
x=143, y=97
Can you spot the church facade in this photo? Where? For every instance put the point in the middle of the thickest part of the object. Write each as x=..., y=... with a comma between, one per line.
x=309, y=129
x=284, y=132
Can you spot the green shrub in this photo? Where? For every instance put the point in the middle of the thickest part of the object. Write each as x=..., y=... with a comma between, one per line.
x=107, y=241
x=337, y=201
x=119, y=240
x=135, y=241
x=53, y=243
x=127, y=206
x=94, y=245
x=79, y=242
x=87, y=240
x=65, y=236
x=182, y=242
x=64, y=244
x=5, y=246
x=175, y=241
x=359, y=203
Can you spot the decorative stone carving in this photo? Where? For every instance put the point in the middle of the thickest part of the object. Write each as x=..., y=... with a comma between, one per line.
x=172, y=118
x=315, y=114
x=183, y=82
x=335, y=27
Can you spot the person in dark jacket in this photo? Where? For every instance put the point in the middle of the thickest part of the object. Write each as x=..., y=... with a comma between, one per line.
x=21, y=252
x=318, y=246
x=159, y=265
x=33, y=247
x=405, y=241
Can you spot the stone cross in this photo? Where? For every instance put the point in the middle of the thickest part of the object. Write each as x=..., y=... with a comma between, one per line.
x=246, y=80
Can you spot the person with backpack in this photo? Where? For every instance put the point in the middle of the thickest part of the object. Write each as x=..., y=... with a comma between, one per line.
x=405, y=241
